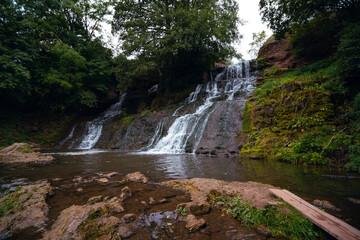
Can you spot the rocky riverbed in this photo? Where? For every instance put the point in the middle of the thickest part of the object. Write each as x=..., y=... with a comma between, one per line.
x=111, y=206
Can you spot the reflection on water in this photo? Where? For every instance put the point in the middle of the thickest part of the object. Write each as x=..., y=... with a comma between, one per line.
x=308, y=183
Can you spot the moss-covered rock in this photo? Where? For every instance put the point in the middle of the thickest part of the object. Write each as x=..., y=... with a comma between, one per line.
x=293, y=117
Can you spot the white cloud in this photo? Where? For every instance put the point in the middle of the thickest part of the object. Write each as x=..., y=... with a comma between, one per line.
x=249, y=12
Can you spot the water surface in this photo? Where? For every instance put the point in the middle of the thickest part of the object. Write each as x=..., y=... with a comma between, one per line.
x=308, y=183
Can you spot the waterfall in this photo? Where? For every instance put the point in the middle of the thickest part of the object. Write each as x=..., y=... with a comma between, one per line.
x=234, y=83
x=94, y=128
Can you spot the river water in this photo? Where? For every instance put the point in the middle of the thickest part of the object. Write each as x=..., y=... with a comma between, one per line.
x=308, y=183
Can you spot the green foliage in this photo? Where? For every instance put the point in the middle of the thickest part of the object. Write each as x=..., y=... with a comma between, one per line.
x=258, y=41
x=127, y=120
x=180, y=36
x=283, y=223
x=281, y=15
x=50, y=58
x=291, y=119
x=144, y=113
x=246, y=120
x=349, y=57
x=182, y=211
x=9, y=202
x=315, y=39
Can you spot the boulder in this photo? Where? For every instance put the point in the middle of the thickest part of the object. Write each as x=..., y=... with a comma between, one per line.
x=195, y=208
x=83, y=222
x=136, y=177
x=128, y=218
x=194, y=224
x=354, y=200
x=95, y=199
x=325, y=204
x=30, y=208
x=125, y=193
x=23, y=154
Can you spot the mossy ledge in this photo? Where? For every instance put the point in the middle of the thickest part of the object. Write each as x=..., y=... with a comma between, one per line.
x=296, y=116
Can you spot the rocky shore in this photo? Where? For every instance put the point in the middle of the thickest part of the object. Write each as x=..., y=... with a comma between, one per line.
x=110, y=206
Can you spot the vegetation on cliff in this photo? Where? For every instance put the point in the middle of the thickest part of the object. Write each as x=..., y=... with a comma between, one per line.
x=309, y=115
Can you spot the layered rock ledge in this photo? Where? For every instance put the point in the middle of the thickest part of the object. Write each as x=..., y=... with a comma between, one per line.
x=23, y=154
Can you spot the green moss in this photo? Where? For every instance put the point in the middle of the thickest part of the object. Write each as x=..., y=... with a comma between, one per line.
x=91, y=229
x=275, y=72
x=144, y=113
x=127, y=120
x=246, y=120
x=9, y=202
x=282, y=219
x=293, y=118
x=25, y=149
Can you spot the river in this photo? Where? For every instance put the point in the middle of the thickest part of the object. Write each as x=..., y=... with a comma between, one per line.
x=309, y=183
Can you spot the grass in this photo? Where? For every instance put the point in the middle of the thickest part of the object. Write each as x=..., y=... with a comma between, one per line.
x=9, y=202
x=282, y=219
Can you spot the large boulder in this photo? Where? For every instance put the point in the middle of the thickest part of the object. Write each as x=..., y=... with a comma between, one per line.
x=92, y=220
x=25, y=208
x=23, y=154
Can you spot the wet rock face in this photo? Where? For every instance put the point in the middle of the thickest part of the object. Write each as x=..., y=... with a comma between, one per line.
x=222, y=129
x=20, y=154
x=134, y=136
x=28, y=208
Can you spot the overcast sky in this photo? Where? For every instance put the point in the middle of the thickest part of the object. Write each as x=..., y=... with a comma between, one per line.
x=249, y=12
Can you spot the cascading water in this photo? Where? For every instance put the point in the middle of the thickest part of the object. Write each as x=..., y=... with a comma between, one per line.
x=94, y=128
x=234, y=83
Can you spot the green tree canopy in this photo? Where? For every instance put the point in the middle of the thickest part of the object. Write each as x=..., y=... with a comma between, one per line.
x=50, y=55
x=283, y=14
x=171, y=30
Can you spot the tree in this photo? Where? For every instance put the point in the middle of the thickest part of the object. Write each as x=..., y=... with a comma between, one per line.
x=281, y=15
x=51, y=56
x=169, y=31
x=258, y=40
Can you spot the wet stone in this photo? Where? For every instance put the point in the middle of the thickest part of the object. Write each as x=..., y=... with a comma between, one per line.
x=125, y=193
x=354, y=200
x=162, y=201
x=136, y=177
x=151, y=201
x=128, y=218
x=325, y=204
x=95, y=199
x=194, y=224
x=124, y=231
x=109, y=175
x=103, y=180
